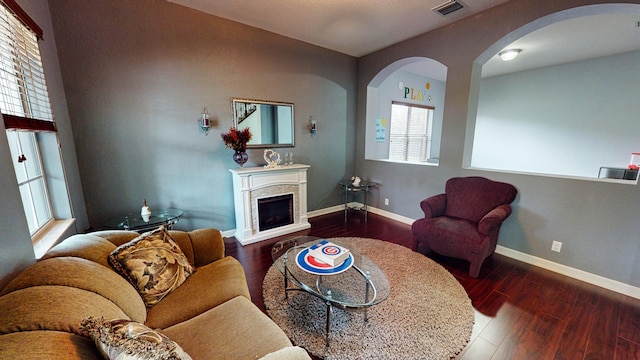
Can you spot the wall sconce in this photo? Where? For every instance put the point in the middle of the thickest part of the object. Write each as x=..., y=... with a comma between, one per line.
x=205, y=122
x=313, y=127
x=509, y=54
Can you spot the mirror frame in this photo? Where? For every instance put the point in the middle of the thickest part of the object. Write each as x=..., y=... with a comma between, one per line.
x=234, y=112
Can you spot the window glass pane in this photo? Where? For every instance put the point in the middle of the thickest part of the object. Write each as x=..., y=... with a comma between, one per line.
x=30, y=151
x=21, y=173
x=40, y=204
x=29, y=211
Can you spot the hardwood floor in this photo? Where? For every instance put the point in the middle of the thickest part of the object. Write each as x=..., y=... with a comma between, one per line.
x=521, y=311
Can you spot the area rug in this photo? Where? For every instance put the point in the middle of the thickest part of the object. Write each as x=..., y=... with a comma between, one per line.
x=427, y=315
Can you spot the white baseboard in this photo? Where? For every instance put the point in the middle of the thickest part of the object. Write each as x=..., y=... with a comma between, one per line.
x=578, y=274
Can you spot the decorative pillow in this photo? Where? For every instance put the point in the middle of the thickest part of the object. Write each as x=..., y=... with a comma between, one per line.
x=129, y=340
x=153, y=263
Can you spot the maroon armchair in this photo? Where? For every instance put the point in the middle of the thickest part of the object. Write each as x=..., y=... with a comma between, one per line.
x=464, y=221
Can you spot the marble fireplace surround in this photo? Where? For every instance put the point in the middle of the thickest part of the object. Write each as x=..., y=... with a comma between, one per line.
x=254, y=183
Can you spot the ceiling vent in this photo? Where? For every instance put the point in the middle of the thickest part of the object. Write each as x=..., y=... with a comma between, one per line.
x=448, y=7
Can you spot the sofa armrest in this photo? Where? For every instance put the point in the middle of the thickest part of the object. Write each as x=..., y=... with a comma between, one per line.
x=208, y=245
x=494, y=219
x=434, y=206
x=117, y=237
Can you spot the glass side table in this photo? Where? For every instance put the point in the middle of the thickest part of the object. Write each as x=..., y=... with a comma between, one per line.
x=348, y=188
x=133, y=221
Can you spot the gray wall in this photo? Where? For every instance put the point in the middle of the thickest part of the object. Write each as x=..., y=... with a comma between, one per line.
x=15, y=242
x=597, y=222
x=137, y=74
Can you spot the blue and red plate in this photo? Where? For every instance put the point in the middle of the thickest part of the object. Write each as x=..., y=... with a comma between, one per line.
x=309, y=264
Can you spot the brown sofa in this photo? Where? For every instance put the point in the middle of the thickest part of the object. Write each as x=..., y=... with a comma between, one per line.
x=210, y=316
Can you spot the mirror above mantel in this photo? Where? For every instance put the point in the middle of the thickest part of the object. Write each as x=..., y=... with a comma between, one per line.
x=271, y=122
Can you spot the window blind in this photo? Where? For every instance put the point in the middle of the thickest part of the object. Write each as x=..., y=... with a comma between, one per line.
x=410, y=132
x=24, y=99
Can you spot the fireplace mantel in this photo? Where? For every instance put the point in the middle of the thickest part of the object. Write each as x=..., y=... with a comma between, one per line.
x=254, y=183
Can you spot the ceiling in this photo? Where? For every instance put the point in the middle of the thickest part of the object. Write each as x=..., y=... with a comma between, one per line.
x=360, y=27
x=571, y=40
x=352, y=27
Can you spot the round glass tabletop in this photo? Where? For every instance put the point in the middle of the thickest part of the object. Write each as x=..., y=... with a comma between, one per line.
x=361, y=284
x=134, y=221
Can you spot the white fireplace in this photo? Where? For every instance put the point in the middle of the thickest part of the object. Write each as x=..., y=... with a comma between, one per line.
x=269, y=202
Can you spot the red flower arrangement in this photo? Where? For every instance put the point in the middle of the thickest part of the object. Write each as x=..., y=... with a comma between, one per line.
x=236, y=139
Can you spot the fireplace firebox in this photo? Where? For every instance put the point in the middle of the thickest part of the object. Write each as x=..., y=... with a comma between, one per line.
x=275, y=211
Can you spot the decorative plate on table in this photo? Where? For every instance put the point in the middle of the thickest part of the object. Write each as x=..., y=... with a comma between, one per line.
x=309, y=264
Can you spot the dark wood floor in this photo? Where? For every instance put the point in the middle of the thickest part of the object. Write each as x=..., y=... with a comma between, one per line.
x=521, y=311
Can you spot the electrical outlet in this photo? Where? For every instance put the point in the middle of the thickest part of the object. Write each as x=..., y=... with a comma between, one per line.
x=386, y=201
x=556, y=246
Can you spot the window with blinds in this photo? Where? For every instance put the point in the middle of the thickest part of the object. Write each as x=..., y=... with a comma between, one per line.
x=25, y=106
x=22, y=83
x=410, y=132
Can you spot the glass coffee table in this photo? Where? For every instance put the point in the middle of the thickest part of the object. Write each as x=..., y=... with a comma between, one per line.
x=356, y=284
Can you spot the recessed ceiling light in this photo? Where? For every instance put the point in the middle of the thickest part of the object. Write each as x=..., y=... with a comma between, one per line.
x=509, y=54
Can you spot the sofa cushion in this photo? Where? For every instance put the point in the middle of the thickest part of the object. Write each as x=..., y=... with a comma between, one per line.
x=82, y=274
x=237, y=321
x=209, y=287
x=47, y=345
x=85, y=246
x=129, y=340
x=53, y=307
x=153, y=263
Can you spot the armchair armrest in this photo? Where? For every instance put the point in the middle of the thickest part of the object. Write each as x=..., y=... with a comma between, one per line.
x=494, y=219
x=434, y=206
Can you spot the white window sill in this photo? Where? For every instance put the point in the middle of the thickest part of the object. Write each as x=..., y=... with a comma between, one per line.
x=594, y=179
x=51, y=235
x=407, y=162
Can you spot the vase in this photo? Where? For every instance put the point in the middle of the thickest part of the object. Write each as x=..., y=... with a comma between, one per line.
x=240, y=157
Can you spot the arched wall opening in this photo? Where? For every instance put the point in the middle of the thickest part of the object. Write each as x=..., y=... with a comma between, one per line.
x=559, y=116
x=416, y=83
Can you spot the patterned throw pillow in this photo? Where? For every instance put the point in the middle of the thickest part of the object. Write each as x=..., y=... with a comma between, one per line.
x=129, y=340
x=153, y=263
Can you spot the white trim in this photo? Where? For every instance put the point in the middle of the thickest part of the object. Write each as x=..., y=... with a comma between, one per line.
x=578, y=274
x=51, y=235
x=325, y=211
x=574, y=273
x=392, y=216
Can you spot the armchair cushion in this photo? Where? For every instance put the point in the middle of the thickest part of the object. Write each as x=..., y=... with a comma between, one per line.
x=471, y=198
